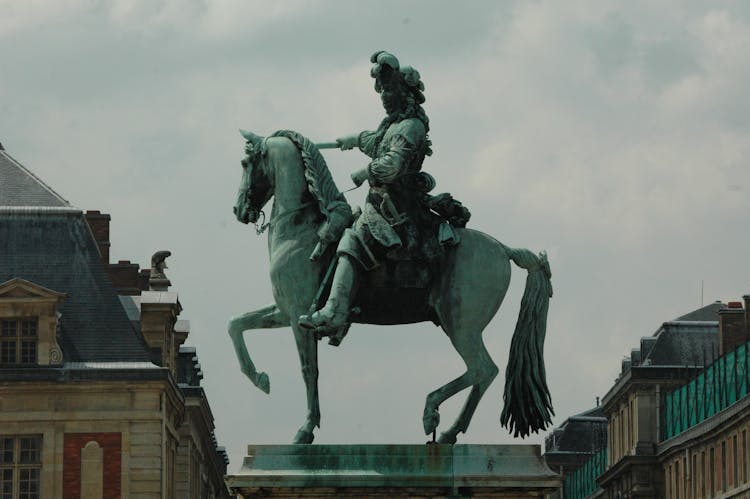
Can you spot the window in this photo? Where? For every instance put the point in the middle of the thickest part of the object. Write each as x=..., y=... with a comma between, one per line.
x=621, y=422
x=632, y=419
x=744, y=456
x=20, y=467
x=171, y=458
x=723, y=466
x=18, y=341
x=677, y=479
x=735, y=464
x=694, y=474
x=703, y=473
x=685, y=477
x=712, y=472
x=669, y=482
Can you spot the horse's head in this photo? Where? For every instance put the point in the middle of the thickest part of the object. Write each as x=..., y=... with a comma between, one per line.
x=256, y=185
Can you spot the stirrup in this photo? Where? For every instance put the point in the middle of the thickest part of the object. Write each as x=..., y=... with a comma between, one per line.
x=325, y=326
x=315, y=322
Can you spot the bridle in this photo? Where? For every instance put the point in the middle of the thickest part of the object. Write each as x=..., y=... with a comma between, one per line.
x=262, y=225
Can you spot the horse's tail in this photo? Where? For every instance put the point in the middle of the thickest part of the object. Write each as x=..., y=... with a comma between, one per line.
x=527, y=403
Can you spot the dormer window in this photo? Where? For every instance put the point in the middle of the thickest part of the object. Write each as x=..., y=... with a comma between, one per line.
x=18, y=341
x=28, y=324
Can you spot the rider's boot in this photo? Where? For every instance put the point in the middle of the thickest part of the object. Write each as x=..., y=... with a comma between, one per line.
x=335, y=313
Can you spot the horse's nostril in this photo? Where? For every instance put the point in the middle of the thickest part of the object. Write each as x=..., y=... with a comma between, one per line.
x=234, y=209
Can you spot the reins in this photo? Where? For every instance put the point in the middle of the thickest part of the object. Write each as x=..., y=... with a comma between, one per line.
x=262, y=225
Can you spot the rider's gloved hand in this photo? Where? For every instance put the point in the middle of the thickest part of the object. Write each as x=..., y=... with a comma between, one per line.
x=348, y=142
x=360, y=176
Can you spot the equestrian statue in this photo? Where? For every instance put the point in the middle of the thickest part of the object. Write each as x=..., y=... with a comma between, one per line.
x=406, y=257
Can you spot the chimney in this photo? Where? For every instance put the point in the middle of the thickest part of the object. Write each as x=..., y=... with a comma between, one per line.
x=732, y=328
x=159, y=311
x=124, y=277
x=99, y=224
x=143, y=277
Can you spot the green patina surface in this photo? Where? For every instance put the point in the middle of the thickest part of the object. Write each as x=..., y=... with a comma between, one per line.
x=406, y=257
x=495, y=467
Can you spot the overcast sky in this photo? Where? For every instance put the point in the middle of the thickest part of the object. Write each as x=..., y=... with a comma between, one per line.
x=615, y=135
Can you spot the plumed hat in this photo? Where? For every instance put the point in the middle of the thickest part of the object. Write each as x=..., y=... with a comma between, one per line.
x=387, y=71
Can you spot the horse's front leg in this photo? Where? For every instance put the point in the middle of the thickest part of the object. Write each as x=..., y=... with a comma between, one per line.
x=265, y=318
x=307, y=346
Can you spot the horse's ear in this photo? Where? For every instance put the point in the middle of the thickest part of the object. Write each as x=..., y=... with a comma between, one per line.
x=250, y=136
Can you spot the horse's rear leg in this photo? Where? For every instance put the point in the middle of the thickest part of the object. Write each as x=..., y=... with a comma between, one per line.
x=480, y=372
x=489, y=370
x=265, y=318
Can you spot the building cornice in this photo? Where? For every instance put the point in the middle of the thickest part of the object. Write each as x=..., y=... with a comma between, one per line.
x=80, y=373
x=645, y=375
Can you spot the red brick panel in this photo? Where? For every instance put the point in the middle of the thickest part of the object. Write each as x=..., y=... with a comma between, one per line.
x=99, y=223
x=111, y=444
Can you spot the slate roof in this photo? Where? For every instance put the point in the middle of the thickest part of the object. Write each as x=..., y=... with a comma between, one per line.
x=687, y=340
x=690, y=340
x=57, y=251
x=46, y=241
x=20, y=187
x=684, y=344
x=708, y=313
x=583, y=433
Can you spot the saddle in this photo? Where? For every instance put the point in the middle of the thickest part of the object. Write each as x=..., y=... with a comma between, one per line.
x=397, y=290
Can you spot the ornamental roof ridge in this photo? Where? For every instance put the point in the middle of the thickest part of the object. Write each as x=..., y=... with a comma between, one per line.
x=39, y=210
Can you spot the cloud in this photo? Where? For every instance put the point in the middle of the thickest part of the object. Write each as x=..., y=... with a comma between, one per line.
x=615, y=136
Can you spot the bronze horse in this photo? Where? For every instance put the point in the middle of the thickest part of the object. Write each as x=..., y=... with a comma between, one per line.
x=463, y=298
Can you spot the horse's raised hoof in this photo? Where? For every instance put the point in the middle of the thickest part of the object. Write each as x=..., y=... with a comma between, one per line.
x=303, y=437
x=430, y=420
x=447, y=438
x=264, y=383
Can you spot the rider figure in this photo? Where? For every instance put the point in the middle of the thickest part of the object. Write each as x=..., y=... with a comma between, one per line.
x=391, y=217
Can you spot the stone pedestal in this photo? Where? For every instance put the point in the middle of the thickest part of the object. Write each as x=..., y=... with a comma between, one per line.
x=394, y=471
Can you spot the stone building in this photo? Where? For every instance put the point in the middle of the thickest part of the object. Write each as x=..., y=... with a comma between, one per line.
x=664, y=361
x=575, y=444
x=678, y=415
x=98, y=395
x=704, y=447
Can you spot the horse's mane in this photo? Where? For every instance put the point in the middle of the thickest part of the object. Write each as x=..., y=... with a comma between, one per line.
x=331, y=202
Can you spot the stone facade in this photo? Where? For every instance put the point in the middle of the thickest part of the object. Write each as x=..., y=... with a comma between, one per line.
x=125, y=419
x=99, y=397
x=708, y=457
